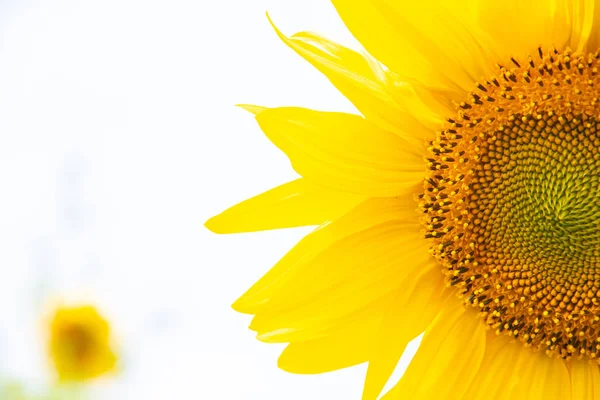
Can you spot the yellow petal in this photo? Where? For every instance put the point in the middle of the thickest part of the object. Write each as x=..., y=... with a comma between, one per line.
x=542, y=378
x=297, y=203
x=306, y=328
x=343, y=151
x=589, y=23
x=499, y=371
x=417, y=99
x=350, y=344
x=585, y=380
x=420, y=41
x=372, y=334
x=327, y=354
x=584, y=13
x=407, y=317
x=251, y=108
x=388, y=45
x=518, y=27
x=447, y=359
x=345, y=278
x=371, y=213
x=362, y=80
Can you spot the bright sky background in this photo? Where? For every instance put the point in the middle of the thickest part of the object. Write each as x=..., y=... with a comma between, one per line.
x=118, y=139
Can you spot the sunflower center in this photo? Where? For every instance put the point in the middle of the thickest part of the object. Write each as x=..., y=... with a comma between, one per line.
x=512, y=202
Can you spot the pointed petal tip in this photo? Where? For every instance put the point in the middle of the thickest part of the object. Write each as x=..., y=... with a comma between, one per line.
x=238, y=305
x=286, y=363
x=264, y=337
x=269, y=18
x=210, y=225
x=214, y=225
x=251, y=108
x=272, y=336
x=245, y=305
x=282, y=363
x=277, y=31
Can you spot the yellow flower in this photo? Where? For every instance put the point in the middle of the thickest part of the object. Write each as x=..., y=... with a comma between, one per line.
x=80, y=344
x=464, y=203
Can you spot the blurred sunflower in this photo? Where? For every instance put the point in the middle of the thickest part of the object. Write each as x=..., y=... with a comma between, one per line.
x=80, y=344
x=464, y=203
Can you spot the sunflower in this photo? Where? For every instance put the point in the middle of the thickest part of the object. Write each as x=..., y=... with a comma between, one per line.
x=463, y=203
x=80, y=344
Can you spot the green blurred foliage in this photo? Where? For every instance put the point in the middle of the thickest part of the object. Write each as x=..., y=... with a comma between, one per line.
x=13, y=390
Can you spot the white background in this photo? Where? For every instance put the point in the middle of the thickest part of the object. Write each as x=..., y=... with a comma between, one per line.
x=118, y=139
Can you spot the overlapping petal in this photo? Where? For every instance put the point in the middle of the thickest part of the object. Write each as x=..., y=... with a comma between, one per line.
x=340, y=343
x=365, y=83
x=518, y=28
x=377, y=334
x=421, y=41
x=541, y=378
x=343, y=151
x=406, y=318
x=447, y=359
x=343, y=349
x=297, y=263
x=589, y=15
x=297, y=203
x=346, y=277
x=499, y=371
x=585, y=380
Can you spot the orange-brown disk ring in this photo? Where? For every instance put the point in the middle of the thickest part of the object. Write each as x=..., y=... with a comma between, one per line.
x=512, y=206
